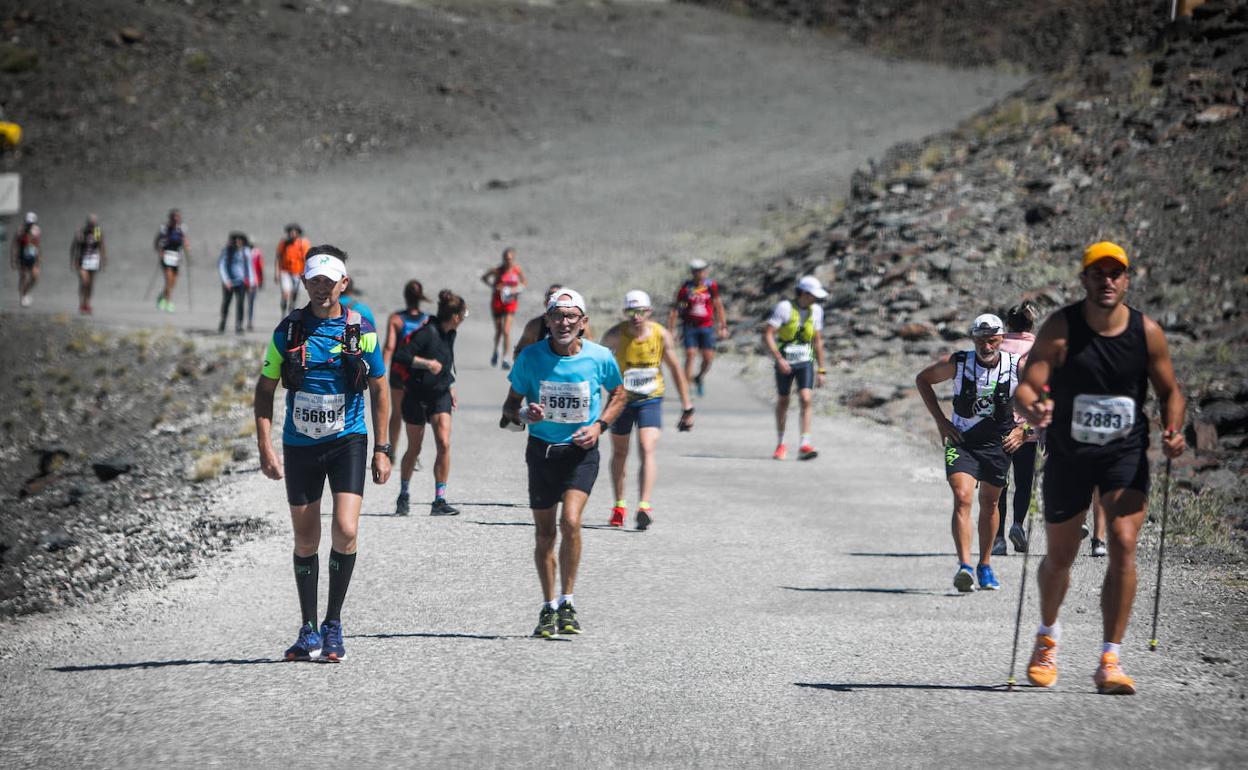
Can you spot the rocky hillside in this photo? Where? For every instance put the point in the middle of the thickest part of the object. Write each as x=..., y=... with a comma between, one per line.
x=1149, y=149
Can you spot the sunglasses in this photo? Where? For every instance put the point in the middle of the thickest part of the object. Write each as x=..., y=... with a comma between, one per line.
x=565, y=318
x=637, y=312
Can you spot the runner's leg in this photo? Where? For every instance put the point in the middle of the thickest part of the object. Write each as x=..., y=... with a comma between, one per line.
x=507, y=319
x=708, y=355
x=782, y=414
x=691, y=355
x=306, y=522
x=171, y=278
x=498, y=333
x=963, y=486
x=1124, y=512
x=806, y=399
x=570, y=546
x=619, y=462
x=988, y=497
x=344, y=537
x=1098, y=517
x=647, y=446
x=442, y=437
x=415, y=437
x=544, y=549
x=1053, y=576
x=396, y=421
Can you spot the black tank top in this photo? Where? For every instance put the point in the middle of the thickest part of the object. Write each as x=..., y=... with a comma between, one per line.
x=1099, y=366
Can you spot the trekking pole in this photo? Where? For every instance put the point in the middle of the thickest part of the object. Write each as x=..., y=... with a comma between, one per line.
x=1161, y=556
x=151, y=283
x=1038, y=490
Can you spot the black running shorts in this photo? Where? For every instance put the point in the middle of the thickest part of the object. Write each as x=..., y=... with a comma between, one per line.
x=419, y=405
x=1069, y=481
x=556, y=468
x=342, y=461
x=397, y=376
x=803, y=373
x=985, y=464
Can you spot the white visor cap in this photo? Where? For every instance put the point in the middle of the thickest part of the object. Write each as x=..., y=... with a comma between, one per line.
x=986, y=325
x=635, y=299
x=31, y=218
x=811, y=285
x=566, y=297
x=698, y=264
x=324, y=264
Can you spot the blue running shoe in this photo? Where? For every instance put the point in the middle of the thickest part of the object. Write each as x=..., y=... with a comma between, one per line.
x=331, y=636
x=964, y=579
x=307, y=646
x=987, y=580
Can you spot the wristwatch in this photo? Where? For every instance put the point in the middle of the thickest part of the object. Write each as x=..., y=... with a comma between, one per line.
x=382, y=448
x=602, y=425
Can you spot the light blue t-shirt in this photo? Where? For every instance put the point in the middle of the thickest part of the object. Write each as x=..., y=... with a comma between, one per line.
x=569, y=388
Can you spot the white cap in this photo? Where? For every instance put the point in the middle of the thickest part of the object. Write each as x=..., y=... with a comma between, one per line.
x=811, y=285
x=326, y=265
x=31, y=218
x=698, y=264
x=566, y=297
x=635, y=299
x=986, y=325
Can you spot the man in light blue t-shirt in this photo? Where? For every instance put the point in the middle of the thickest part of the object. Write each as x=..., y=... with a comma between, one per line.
x=562, y=379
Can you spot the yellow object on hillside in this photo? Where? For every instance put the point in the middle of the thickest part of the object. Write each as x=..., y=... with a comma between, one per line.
x=11, y=133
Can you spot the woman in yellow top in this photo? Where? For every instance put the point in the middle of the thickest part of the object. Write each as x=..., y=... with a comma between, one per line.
x=641, y=347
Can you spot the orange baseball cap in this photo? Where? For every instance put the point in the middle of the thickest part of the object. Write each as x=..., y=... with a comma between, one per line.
x=1105, y=250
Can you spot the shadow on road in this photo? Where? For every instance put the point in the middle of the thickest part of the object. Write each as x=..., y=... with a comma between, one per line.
x=868, y=590
x=166, y=664
x=604, y=527
x=710, y=456
x=429, y=635
x=855, y=686
x=895, y=555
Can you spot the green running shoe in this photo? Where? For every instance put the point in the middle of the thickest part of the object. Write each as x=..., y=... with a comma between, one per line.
x=568, y=623
x=547, y=623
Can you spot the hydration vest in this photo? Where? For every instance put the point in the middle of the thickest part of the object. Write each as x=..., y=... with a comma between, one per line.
x=350, y=358
x=794, y=331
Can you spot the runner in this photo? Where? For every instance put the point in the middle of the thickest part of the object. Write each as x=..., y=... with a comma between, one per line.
x=234, y=266
x=641, y=347
x=563, y=381
x=536, y=329
x=797, y=326
x=429, y=396
x=399, y=326
x=288, y=264
x=24, y=257
x=87, y=256
x=1019, y=321
x=978, y=440
x=255, y=282
x=172, y=248
x=702, y=317
x=507, y=280
x=1099, y=356
x=323, y=436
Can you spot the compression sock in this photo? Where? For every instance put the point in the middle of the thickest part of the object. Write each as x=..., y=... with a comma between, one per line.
x=553, y=604
x=403, y=485
x=621, y=503
x=565, y=599
x=805, y=440
x=644, y=505
x=439, y=490
x=1054, y=631
x=306, y=575
x=340, y=568
x=1110, y=647
x=779, y=439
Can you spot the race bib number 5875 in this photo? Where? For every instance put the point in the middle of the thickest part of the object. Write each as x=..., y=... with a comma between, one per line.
x=566, y=402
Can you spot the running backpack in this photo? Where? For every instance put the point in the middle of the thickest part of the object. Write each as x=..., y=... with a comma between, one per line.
x=351, y=356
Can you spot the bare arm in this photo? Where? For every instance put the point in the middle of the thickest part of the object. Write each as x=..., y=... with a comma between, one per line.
x=941, y=371
x=488, y=276
x=611, y=339
x=270, y=463
x=1048, y=352
x=394, y=326
x=527, y=336
x=676, y=371
x=588, y=436
x=720, y=315
x=1166, y=386
x=524, y=281
x=769, y=341
x=379, y=394
x=820, y=371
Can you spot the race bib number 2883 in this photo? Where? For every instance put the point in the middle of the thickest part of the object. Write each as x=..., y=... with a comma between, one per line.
x=1102, y=419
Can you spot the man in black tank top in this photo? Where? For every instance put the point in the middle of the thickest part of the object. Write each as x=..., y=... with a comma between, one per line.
x=1097, y=356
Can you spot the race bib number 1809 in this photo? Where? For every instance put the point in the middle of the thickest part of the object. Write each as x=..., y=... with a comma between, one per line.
x=319, y=414
x=643, y=382
x=1102, y=419
x=566, y=402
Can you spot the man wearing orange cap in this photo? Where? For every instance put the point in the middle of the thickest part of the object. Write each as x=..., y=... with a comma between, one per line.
x=1098, y=356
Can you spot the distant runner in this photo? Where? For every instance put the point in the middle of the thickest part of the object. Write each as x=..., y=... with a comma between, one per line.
x=507, y=281
x=24, y=255
x=429, y=395
x=399, y=326
x=1098, y=356
x=535, y=329
x=641, y=347
x=288, y=264
x=794, y=336
x=563, y=380
x=255, y=282
x=326, y=358
x=234, y=267
x=978, y=440
x=172, y=249
x=87, y=256
x=702, y=317
x=1019, y=321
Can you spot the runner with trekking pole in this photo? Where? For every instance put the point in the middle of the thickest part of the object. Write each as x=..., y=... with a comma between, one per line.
x=1161, y=556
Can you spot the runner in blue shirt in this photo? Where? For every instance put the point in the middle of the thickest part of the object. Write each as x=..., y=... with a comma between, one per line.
x=326, y=357
x=562, y=379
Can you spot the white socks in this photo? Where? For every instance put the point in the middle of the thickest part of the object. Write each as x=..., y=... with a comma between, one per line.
x=1054, y=631
x=1110, y=647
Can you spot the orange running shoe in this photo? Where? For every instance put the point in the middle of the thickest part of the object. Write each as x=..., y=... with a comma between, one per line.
x=1110, y=678
x=781, y=452
x=1042, y=670
x=617, y=516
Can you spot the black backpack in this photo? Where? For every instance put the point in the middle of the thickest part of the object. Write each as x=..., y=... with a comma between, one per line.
x=351, y=360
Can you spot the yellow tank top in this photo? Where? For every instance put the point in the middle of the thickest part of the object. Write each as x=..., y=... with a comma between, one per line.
x=641, y=361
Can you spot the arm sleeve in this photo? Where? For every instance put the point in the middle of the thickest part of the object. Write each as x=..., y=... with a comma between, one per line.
x=272, y=368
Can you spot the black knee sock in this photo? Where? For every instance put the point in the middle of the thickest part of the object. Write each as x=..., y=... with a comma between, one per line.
x=306, y=575
x=340, y=567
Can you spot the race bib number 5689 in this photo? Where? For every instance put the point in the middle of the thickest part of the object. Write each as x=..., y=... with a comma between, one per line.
x=318, y=414
x=566, y=402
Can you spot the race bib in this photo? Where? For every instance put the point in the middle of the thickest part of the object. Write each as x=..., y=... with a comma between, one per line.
x=31, y=252
x=319, y=414
x=797, y=354
x=91, y=261
x=506, y=293
x=643, y=382
x=171, y=258
x=1102, y=419
x=566, y=402
x=699, y=310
